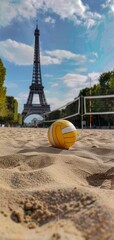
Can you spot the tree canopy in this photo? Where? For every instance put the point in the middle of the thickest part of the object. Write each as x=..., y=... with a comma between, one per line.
x=3, y=105
x=8, y=104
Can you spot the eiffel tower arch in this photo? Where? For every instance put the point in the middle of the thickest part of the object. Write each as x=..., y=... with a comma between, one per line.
x=36, y=86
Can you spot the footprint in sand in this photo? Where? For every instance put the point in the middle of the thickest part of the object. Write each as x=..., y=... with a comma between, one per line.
x=104, y=180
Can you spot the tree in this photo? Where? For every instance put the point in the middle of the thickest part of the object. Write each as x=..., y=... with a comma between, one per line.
x=106, y=81
x=12, y=105
x=20, y=119
x=3, y=106
x=104, y=87
x=54, y=115
x=111, y=82
x=2, y=73
x=15, y=111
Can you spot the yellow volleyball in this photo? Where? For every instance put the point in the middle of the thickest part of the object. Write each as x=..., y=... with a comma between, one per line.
x=62, y=134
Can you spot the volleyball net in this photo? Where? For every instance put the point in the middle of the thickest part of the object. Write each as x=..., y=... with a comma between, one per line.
x=67, y=111
x=82, y=106
x=99, y=105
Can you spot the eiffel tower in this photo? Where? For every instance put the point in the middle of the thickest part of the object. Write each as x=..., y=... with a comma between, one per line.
x=36, y=87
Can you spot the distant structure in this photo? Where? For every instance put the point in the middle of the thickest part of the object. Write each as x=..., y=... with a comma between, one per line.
x=36, y=87
x=34, y=122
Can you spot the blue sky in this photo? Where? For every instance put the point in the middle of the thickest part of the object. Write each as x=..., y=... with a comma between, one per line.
x=76, y=42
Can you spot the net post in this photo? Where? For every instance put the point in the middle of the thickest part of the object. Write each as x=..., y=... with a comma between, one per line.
x=90, y=107
x=81, y=110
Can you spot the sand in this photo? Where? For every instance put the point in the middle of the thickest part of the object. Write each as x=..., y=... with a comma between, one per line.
x=49, y=193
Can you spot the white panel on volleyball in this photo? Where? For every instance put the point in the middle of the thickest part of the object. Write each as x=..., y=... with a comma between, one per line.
x=99, y=105
x=77, y=100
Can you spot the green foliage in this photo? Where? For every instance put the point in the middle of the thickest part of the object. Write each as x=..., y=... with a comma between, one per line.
x=106, y=81
x=15, y=116
x=85, y=92
x=96, y=90
x=104, y=87
x=8, y=105
x=54, y=115
x=2, y=73
x=63, y=113
x=71, y=108
x=12, y=105
x=19, y=119
x=3, y=106
x=111, y=82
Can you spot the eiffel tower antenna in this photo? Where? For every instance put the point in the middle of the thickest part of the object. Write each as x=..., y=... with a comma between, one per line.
x=36, y=86
x=36, y=23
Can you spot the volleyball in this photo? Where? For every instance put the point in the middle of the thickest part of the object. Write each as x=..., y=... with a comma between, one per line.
x=62, y=134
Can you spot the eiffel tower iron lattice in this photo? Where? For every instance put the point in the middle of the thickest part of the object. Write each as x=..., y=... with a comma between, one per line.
x=36, y=87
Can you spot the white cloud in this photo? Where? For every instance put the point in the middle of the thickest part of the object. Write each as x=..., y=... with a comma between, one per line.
x=63, y=54
x=22, y=54
x=7, y=12
x=109, y=4
x=54, y=85
x=74, y=10
x=91, y=19
x=94, y=77
x=56, y=102
x=58, y=56
x=15, y=52
x=94, y=56
x=49, y=20
x=80, y=70
x=92, y=60
x=47, y=60
x=72, y=80
x=76, y=82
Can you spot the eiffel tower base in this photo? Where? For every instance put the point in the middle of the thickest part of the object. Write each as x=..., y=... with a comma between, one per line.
x=30, y=109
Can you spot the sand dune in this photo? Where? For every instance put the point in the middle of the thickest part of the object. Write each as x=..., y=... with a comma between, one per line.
x=49, y=193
